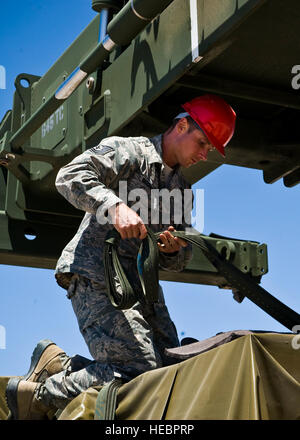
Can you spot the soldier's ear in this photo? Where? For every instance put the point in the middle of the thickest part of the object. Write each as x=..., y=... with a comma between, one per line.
x=182, y=126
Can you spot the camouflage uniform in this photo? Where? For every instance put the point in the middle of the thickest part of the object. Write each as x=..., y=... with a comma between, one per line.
x=126, y=342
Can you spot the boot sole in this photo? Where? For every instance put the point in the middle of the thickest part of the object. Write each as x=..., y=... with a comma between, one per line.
x=11, y=397
x=36, y=355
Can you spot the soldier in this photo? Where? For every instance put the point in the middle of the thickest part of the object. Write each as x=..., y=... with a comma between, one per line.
x=101, y=182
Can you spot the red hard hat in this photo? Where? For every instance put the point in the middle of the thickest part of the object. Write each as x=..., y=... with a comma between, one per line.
x=215, y=117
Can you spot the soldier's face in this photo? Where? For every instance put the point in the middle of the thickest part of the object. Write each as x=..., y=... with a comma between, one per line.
x=194, y=147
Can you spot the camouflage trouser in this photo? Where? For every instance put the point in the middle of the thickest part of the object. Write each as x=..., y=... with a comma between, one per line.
x=126, y=342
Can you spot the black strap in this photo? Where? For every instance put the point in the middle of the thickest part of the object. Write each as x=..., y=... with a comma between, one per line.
x=148, y=272
x=147, y=265
x=244, y=283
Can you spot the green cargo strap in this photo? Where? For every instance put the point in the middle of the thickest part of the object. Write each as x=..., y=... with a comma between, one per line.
x=147, y=264
x=148, y=272
x=106, y=401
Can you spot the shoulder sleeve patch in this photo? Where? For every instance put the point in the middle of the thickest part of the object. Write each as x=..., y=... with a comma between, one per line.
x=101, y=149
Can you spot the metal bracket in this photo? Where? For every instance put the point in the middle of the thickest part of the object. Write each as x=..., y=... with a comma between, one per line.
x=24, y=91
x=97, y=118
x=14, y=161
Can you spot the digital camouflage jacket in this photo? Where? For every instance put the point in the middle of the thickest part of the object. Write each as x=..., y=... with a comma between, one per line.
x=121, y=169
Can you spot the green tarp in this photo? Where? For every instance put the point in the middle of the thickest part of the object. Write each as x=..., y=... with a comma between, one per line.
x=254, y=377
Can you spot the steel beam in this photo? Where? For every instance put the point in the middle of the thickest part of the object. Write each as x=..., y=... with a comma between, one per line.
x=224, y=86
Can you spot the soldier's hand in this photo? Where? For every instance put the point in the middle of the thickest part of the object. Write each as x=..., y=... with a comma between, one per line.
x=127, y=222
x=170, y=243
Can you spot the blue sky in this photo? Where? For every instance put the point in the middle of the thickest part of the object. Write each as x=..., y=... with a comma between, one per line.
x=33, y=34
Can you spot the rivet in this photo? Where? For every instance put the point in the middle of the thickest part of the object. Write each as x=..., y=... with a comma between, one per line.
x=90, y=84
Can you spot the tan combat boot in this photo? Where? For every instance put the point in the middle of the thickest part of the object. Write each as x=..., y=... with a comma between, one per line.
x=23, y=402
x=47, y=359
